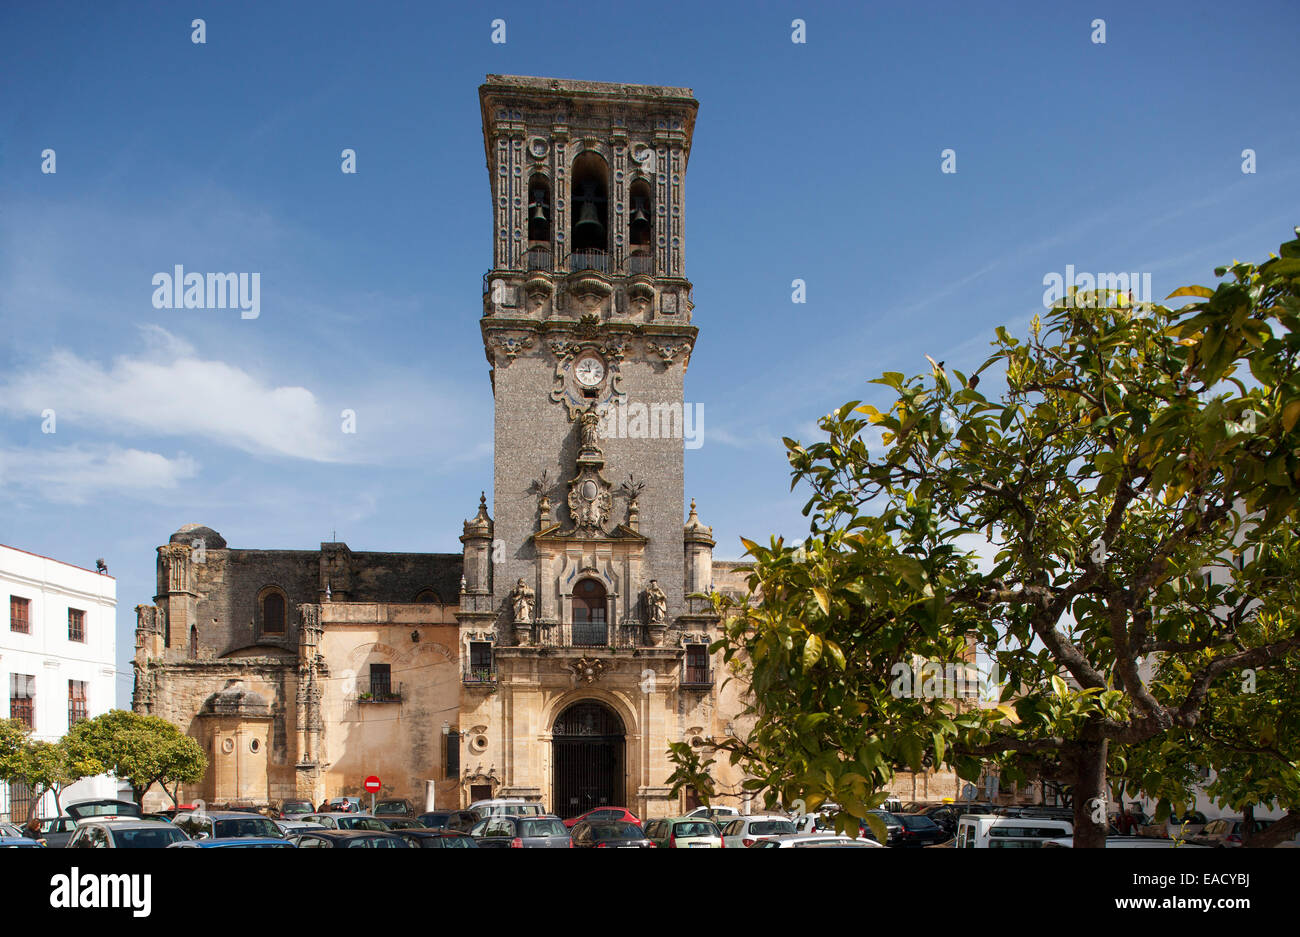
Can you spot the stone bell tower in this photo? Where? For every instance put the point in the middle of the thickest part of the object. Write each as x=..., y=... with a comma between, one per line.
x=587, y=330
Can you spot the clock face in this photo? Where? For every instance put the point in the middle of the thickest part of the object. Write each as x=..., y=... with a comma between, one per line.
x=589, y=372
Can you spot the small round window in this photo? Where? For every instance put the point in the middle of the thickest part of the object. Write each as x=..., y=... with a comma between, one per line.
x=228, y=745
x=254, y=746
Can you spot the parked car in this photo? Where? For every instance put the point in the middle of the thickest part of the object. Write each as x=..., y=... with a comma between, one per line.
x=439, y=839
x=251, y=842
x=919, y=830
x=684, y=832
x=460, y=820
x=12, y=831
x=226, y=824
x=1225, y=832
x=56, y=831
x=1124, y=842
x=716, y=814
x=816, y=841
x=295, y=826
x=1184, y=826
x=604, y=815
x=610, y=834
x=341, y=805
x=347, y=821
x=350, y=839
x=507, y=806
x=1009, y=832
x=19, y=842
x=103, y=808
x=947, y=815
x=401, y=823
x=521, y=832
x=291, y=809
x=125, y=833
x=743, y=832
x=394, y=808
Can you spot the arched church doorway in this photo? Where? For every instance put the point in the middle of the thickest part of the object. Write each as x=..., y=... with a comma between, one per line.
x=588, y=748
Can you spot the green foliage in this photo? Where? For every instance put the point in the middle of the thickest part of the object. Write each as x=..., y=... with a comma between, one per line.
x=141, y=750
x=1120, y=459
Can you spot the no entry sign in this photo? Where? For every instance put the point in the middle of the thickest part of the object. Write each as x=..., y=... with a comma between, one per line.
x=372, y=784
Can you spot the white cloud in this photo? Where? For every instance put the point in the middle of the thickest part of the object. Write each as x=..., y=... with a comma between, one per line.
x=169, y=391
x=77, y=474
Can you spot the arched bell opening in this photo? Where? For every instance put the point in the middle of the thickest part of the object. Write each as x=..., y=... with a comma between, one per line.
x=540, y=228
x=589, y=238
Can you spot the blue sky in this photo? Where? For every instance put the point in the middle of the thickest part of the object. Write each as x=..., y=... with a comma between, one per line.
x=818, y=161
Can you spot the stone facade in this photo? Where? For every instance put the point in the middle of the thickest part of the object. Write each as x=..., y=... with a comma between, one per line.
x=560, y=653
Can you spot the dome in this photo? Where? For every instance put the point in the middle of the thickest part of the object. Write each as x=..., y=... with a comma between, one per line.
x=237, y=700
x=191, y=532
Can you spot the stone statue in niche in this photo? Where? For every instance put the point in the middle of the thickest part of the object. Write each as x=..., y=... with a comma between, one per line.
x=523, y=599
x=656, y=604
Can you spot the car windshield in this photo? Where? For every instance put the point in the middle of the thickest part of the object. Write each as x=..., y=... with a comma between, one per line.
x=918, y=822
x=148, y=839
x=435, y=821
x=771, y=827
x=696, y=828
x=299, y=807
x=542, y=828
x=605, y=831
x=246, y=826
x=391, y=806
x=458, y=842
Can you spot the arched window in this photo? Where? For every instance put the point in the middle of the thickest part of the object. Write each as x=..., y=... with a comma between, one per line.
x=272, y=607
x=589, y=240
x=589, y=625
x=194, y=641
x=428, y=597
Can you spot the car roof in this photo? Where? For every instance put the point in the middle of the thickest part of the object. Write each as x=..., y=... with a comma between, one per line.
x=131, y=824
x=348, y=834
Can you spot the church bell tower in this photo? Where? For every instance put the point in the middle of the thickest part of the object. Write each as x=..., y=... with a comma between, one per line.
x=587, y=331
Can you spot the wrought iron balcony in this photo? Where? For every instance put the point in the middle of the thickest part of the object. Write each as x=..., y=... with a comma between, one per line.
x=539, y=258
x=381, y=694
x=591, y=259
x=479, y=676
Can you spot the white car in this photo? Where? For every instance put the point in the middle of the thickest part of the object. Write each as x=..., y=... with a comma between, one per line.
x=1124, y=842
x=506, y=807
x=817, y=841
x=718, y=815
x=746, y=831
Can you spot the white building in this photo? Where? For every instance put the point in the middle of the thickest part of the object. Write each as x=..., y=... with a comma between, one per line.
x=57, y=658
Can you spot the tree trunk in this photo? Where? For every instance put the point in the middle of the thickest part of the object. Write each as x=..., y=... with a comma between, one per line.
x=1276, y=833
x=1090, y=813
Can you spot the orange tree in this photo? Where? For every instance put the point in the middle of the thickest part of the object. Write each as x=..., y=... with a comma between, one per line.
x=1117, y=462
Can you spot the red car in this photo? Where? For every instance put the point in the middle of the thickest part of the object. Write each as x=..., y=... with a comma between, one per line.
x=603, y=814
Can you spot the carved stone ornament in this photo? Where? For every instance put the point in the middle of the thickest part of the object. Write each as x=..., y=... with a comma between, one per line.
x=510, y=348
x=588, y=669
x=590, y=498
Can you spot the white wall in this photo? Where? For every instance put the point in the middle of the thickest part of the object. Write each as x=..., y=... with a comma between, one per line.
x=45, y=653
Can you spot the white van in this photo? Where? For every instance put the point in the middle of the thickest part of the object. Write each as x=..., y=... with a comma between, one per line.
x=506, y=807
x=983, y=832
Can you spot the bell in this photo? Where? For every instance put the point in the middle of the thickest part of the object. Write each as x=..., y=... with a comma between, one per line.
x=640, y=211
x=537, y=206
x=588, y=222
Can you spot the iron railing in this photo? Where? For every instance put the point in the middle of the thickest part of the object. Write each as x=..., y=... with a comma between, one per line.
x=381, y=694
x=590, y=259
x=539, y=258
x=479, y=676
